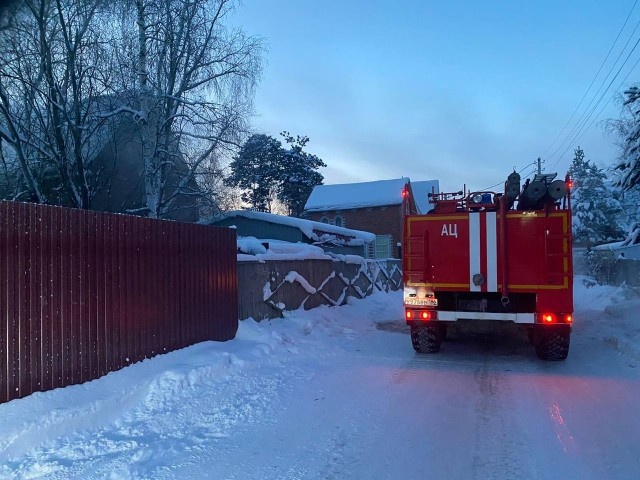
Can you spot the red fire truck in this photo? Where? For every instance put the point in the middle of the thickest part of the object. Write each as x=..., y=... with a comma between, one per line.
x=492, y=257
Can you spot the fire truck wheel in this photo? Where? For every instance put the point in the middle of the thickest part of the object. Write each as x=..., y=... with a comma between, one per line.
x=552, y=345
x=426, y=338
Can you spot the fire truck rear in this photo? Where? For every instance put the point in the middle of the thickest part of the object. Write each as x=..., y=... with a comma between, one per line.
x=492, y=257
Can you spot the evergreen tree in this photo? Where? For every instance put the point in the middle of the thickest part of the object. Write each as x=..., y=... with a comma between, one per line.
x=257, y=170
x=300, y=174
x=267, y=172
x=630, y=203
x=595, y=209
x=629, y=130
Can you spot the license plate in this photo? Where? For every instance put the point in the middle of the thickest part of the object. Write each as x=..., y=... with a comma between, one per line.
x=422, y=302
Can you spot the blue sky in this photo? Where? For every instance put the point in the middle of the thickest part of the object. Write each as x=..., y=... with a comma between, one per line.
x=460, y=91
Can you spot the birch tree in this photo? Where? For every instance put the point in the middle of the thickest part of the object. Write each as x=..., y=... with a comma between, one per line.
x=52, y=77
x=193, y=80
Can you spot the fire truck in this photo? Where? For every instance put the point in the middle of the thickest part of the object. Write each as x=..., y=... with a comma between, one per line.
x=486, y=257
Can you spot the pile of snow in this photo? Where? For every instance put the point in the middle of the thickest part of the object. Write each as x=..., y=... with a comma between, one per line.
x=141, y=421
x=628, y=248
x=260, y=250
x=617, y=323
x=251, y=249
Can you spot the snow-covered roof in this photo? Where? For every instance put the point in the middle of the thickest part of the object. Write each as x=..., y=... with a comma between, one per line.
x=315, y=231
x=420, y=190
x=627, y=248
x=251, y=248
x=356, y=195
x=369, y=194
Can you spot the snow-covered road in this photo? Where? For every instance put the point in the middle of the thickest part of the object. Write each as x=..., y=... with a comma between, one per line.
x=339, y=393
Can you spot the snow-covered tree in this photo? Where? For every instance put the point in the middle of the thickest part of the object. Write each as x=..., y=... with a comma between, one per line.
x=630, y=204
x=192, y=78
x=53, y=70
x=171, y=74
x=628, y=127
x=595, y=208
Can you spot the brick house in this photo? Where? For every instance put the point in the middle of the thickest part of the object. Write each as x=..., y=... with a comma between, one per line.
x=374, y=207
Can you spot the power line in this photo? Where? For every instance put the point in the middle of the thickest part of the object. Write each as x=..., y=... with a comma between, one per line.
x=582, y=128
x=521, y=170
x=593, y=80
x=604, y=106
x=579, y=122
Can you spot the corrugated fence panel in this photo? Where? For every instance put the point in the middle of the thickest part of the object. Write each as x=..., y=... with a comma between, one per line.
x=85, y=293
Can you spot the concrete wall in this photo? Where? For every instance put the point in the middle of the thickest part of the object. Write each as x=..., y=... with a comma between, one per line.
x=267, y=289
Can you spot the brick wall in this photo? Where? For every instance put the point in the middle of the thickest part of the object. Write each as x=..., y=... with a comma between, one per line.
x=379, y=220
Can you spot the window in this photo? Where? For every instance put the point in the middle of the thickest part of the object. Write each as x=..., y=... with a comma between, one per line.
x=338, y=221
x=324, y=220
x=381, y=248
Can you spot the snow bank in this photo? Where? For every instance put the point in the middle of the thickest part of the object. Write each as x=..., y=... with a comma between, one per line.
x=254, y=250
x=156, y=416
x=141, y=421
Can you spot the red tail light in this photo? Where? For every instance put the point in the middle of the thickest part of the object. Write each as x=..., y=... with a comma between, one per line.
x=548, y=318
x=428, y=315
x=553, y=318
x=421, y=314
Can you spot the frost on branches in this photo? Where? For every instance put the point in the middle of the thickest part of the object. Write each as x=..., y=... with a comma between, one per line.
x=629, y=164
x=596, y=210
x=156, y=92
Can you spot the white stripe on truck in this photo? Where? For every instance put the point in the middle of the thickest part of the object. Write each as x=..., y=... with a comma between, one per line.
x=492, y=253
x=474, y=249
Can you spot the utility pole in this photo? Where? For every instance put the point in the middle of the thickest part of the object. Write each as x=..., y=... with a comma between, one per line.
x=539, y=166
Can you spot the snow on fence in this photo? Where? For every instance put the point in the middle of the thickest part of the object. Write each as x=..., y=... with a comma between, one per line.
x=84, y=293
x=268, y=288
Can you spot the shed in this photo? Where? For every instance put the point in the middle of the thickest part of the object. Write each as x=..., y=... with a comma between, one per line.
x=268, y=226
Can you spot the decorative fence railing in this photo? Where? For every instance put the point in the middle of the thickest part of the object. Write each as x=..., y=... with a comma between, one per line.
x=84, y=293
x=267, y=289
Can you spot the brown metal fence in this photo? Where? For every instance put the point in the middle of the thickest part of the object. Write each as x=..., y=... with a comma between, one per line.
x=84, y=293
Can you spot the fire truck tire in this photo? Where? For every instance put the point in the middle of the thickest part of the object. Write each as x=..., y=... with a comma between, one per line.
x=426, y=338
x=553, y=345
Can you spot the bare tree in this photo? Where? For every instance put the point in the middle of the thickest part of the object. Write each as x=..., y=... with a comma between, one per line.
x=192, y=79
x=52, y=80
x=75, y=74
